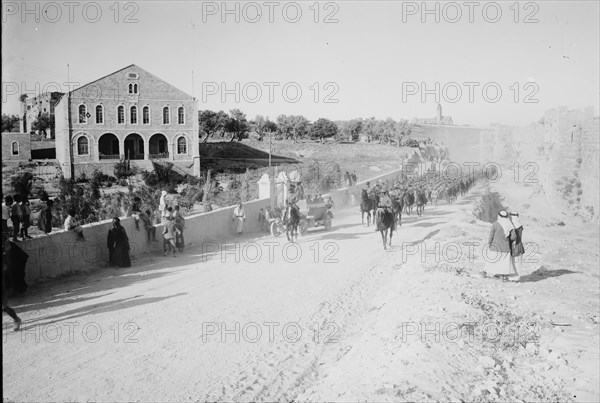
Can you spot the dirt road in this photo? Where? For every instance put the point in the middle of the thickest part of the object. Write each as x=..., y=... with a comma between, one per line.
x=259, y=319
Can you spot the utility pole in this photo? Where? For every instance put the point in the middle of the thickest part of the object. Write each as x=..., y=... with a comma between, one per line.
x=70, y=128
x=272, y=188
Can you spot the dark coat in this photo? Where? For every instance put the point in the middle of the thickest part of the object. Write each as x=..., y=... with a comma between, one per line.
x=14, y=275
x=118, y=247
x=45, y=220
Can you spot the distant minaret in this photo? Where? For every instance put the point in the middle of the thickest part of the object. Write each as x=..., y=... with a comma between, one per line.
x=438, y=117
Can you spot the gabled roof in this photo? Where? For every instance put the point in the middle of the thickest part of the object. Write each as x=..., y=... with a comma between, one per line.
x=125, y=68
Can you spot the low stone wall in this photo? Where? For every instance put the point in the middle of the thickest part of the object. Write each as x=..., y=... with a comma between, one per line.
x=60, y=253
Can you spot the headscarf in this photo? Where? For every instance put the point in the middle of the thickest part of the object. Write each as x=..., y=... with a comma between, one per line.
x=116, y=222
x=514, y=218
x=504, y=222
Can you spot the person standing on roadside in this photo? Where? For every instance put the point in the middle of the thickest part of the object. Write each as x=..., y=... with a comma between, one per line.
x=16, y=216
x=239, y=216
x=169, y=234
x=26, y=221
x=8, y=201
x=502, y=233
x=162, y=205
x=5, y=307
x=517, y=247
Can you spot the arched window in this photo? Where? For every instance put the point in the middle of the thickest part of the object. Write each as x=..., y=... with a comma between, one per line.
x=135, y=88
x=121, y=114
x=82, y=114
x=99, y=114
x=83, y=147
x=131, y=88
x=182, y=145
x=15, y=148
x=133, y=115
x=166, y=114
x=180, y=115
x=146, y=115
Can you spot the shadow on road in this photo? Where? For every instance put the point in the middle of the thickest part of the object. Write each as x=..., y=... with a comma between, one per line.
x=543, y=273
x=108, y=306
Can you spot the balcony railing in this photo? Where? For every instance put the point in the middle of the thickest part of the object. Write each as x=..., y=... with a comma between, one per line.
x=159, y=156
x=110, y=157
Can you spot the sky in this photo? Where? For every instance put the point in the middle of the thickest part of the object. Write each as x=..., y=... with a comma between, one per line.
x=493, y=62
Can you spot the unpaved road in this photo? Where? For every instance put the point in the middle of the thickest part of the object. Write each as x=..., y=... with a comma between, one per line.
x=253, y=319
x=152, y=318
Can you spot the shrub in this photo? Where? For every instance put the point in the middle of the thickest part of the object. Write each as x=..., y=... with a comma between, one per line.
x=85, y=200
x=22, y=182
x=40, y=192
x=123, y=170
x=83, y=178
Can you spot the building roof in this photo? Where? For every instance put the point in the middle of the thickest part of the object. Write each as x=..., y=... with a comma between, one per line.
x=125, y=68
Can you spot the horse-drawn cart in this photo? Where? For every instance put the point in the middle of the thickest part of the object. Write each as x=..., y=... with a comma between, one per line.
x=317, y=214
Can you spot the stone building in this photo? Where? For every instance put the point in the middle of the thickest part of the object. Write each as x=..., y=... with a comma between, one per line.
x=439, y=119
x=16, y=147
x=129, y=114
x=33, y=107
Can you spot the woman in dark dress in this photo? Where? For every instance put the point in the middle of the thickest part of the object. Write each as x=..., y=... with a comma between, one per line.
x=45, y=219
x=118, y=245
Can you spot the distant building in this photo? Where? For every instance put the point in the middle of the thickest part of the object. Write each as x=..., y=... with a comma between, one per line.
x=439, y=119
x=16, y=147
x=129, y=114
x=32, y=108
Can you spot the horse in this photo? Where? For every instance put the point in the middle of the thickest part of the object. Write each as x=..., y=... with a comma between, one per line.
x=397, y=206
x=409, y=201
x=421, y=201
x=291, y=220
x=385, y=223
x=366, y=205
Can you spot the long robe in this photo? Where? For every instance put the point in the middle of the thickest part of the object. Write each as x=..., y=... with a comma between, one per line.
x=239, y=216
x=118, y=247
x=499, y=260
x=14, y=276
x=45, y=220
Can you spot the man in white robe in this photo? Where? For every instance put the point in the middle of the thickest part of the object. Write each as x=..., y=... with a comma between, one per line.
x=239, y=216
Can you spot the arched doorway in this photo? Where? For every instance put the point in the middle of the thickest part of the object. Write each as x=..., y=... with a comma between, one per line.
x=158, y=146
x=108, y=147
x=134, y=147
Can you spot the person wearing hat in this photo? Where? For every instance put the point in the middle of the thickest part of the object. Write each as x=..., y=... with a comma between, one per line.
x=500, y=262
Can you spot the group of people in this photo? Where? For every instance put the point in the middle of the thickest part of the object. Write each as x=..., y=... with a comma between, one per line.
x=16, y=210
x=350, y=179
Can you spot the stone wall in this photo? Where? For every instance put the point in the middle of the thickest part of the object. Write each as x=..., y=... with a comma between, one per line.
x=560, y=151
x=60, y=253
x=23, y=146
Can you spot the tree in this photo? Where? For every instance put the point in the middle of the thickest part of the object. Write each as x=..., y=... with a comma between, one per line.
x=10, y=123
x=44, y=122
x=323, y=128
x=211, y=122
x=350, y=129
x=263, y=126
x=237, y=125
x=22, y=182
x=369, y=129
x=293, y=127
